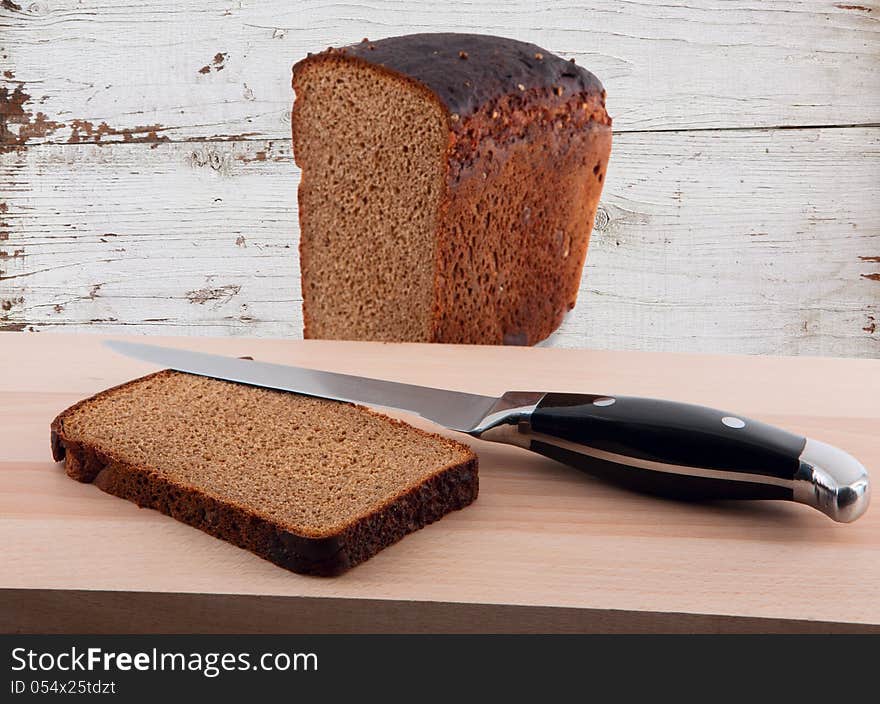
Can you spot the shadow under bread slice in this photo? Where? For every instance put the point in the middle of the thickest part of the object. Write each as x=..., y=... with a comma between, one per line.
x=312, y=485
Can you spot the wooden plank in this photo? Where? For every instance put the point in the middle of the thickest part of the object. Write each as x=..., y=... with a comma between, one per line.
x=199, y=237
x=541, y=536
x=763, y=241
x=147, y=70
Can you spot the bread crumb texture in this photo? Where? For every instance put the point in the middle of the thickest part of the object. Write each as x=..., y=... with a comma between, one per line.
x=310, y=466
x=371, y=147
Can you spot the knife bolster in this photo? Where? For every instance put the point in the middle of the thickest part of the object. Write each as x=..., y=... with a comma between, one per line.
x=509, y=420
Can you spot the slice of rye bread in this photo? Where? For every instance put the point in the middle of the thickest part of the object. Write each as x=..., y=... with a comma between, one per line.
x=312, y=485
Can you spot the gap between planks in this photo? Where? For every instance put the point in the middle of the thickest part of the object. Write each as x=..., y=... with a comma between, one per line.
x=221, y=139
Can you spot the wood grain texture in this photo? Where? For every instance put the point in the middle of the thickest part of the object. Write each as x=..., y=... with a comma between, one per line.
x=715, y=234
x=216, y=69
x=705, y=241
x=541, y=535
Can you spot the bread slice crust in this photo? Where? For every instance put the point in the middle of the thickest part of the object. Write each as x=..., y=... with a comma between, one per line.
x=320, y=553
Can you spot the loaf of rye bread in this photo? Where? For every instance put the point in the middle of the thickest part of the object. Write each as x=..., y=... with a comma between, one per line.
x=449, y=187
x=314, y=486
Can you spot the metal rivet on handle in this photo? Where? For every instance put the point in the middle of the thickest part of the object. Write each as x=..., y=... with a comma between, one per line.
x=732, y=422
x=604, y=401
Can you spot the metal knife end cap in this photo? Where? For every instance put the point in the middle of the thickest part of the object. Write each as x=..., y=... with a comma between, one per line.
x=832, y=481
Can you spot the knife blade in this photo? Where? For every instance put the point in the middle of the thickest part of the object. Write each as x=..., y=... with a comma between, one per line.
x=671, y=449
x=456, y=411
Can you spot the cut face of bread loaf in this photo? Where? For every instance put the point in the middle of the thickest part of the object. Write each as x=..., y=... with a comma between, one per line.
x=449, y=186
x=315, y=486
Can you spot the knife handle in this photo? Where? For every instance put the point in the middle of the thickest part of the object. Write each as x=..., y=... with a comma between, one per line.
x=683, y=451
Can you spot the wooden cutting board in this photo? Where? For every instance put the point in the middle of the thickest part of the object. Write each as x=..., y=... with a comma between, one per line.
x=544, y=548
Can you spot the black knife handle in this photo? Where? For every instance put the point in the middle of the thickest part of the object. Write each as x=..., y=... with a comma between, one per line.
x=684, y=451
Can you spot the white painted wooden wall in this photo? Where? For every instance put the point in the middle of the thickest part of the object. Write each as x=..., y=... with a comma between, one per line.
x=147, y=184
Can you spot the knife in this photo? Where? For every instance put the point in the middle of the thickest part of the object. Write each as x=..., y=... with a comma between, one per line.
x=668, y=448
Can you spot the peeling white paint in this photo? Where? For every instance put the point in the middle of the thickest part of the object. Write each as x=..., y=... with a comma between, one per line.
x=714, y=234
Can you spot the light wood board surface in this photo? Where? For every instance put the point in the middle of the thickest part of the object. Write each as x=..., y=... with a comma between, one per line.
x=739, y=213
x=544, y=547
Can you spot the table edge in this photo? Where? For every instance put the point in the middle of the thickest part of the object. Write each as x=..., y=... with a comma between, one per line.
x=91, y=612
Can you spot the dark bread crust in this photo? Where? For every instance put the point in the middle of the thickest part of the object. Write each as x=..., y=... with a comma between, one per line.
x=450, y=488
x=527, y=259
x=528, y=131
x=468, y=71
